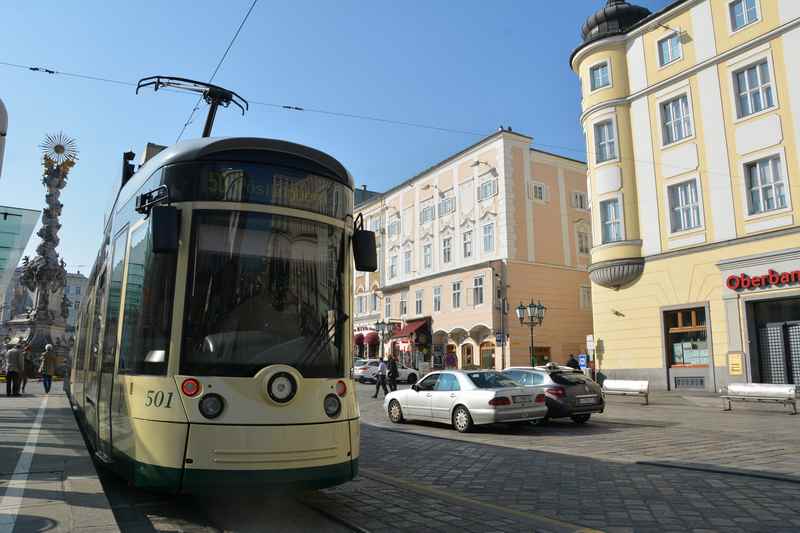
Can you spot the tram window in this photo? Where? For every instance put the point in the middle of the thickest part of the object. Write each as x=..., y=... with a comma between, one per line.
x=114, y=297
x=261, y=290
x=147, y=319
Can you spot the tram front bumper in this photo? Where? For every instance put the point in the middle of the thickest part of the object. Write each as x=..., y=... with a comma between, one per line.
x=306, y=456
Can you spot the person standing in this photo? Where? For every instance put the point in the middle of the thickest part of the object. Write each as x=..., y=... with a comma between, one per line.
x=393, y=373
x=380, y=379
x=573, y=363
x=27, y=366
x=15, y=363
x=47, y=368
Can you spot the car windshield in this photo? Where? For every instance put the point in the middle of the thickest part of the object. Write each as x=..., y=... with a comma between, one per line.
x=359, y=362
x=262, y=290
x=569, y=378
x=491, y=380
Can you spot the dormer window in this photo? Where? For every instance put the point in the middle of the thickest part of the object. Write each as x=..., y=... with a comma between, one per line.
x=599, y=76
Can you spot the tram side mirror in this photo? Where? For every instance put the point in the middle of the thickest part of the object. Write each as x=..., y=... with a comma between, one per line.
x=364, y=250
x=164, y=229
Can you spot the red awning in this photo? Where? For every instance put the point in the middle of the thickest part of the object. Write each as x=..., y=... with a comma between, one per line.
x=409, y=328
x=372, y=338
x=358, y=339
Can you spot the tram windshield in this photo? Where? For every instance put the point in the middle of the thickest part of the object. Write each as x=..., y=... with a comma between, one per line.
x=264, y=289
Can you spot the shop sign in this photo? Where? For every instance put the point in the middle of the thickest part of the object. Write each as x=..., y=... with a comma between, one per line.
x=743, y=281
x=735, y=367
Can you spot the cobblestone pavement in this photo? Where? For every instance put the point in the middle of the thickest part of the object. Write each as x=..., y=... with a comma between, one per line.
x=426, y=477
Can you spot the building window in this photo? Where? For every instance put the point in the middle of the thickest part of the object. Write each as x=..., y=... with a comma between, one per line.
x=447, y=249
x=387, y=307
x=427, y=214
x=584, y=242
x=753, y=89
x=427, y=256
x=375, y=223
x=437, y=299
x=404, y=303
x=477, y=290
x=743, y=12
x=585, y=297
x=537, y=191
x=488, y=237
x=394, y=226
x=599, y=77
x=676, y=121
x=393, y=267
x=687, y=343
x=456, y=295
x=447, y=205
x=684, y=206
x=610, y=220
x=375, y=303
x=361, y=305
x=407, y=262
x=580, y=200
x=467, y=244
x=766, y=189
x=418, y=296
x=487, y=189
x=605, y=144
x=669, y=49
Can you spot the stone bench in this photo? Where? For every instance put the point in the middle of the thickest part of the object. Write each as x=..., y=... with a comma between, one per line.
x=760, y=392
x=627, y=387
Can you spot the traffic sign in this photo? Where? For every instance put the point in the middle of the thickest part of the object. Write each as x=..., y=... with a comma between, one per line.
x=590, y=343
x=583, y=360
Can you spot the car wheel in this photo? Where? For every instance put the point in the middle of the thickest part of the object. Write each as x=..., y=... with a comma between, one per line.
x=462, y=421
x=395, y=412
x=412, y=378
x=581, y=419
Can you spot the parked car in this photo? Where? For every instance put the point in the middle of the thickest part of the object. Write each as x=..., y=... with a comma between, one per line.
x=465, y=399
x=365, y=372
x=569, y=393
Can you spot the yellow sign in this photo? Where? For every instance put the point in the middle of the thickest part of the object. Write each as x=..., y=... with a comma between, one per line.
x=735, y=367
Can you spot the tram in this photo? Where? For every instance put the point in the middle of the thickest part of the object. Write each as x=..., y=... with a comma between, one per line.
x=213, y=349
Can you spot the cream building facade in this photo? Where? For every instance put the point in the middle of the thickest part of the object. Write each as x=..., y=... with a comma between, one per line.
x=692, y=118
x=464, y=242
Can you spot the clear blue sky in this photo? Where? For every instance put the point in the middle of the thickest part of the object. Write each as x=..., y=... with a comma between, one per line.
x=467, y=65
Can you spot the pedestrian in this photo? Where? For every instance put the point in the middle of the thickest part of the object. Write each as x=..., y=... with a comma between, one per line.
x=27, y=371
x=380, y=379
x=393, y=373
x=48, y=367
x=15, y=363
x=573, y=363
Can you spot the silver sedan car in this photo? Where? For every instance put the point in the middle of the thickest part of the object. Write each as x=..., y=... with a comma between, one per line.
x=464, y=399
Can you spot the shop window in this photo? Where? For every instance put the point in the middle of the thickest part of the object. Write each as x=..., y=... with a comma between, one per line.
x=687, y=342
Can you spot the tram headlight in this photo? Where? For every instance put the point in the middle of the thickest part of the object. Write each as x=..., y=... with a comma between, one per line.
x=281, y=387
x=333, y=406
x=211, y=405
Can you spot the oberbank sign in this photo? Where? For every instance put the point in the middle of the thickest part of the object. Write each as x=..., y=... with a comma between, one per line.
x=743, y=281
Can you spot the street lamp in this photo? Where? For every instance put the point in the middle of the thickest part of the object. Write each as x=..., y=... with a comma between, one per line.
x=531, y=315
x=382, y=328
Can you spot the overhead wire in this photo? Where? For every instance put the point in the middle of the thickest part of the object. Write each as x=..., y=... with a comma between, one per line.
x=216, y=69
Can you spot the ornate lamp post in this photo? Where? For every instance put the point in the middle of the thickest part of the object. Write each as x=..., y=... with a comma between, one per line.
x=531, y=315
x=382, y=328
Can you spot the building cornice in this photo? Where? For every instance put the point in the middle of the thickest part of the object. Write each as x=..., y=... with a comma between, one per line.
x=407, y=283
x=693, y=70
x=791, y=254
x=723, y=244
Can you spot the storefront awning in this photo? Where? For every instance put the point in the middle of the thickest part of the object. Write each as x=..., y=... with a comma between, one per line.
x=409, y=328
x=372, y=338
x=358, y=339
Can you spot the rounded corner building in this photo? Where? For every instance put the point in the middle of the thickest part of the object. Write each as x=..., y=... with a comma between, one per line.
x=692, y=120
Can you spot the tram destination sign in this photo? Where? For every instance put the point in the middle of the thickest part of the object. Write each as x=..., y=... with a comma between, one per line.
x=772, y=278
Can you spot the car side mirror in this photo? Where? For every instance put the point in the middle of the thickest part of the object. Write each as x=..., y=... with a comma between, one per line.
x=415, y=387
x=164, y=222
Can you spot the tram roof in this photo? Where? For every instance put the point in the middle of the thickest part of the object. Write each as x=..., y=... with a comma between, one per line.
x=206, y=148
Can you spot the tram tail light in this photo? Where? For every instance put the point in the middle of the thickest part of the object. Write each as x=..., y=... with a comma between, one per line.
x=502, y=400
x=190, y=387
x=341, y=388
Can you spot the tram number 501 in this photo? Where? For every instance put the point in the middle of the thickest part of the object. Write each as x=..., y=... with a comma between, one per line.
x=157, y=399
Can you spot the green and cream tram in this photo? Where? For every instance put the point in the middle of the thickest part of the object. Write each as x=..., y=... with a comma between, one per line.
x=213, y=348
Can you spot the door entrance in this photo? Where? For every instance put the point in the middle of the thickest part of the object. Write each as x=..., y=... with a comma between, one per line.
x=777, y=358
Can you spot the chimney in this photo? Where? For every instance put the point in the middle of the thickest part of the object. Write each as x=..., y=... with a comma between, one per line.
x=3, y=130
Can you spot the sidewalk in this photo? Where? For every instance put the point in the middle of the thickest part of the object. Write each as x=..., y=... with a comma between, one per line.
x=47, y=479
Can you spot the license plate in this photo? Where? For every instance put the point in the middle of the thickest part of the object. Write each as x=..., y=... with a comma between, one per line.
x=587, y=401
x=523, y=399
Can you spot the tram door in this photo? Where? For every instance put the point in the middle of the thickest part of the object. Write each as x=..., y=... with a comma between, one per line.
x=108, y=358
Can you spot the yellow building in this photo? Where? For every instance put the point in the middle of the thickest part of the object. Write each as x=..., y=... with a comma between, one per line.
x=692, y=118
x=463, y=243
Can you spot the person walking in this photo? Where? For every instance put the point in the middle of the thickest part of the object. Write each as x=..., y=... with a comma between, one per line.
x=573, y=363
x=27, y=370
x=15, y=363
x=380, y=379
x=47, y=368
x=393, y=373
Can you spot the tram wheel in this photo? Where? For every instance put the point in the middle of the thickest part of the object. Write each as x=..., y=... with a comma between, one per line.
x=395, y=412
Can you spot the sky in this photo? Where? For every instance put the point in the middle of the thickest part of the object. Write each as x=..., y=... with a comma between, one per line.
x=469, y=65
